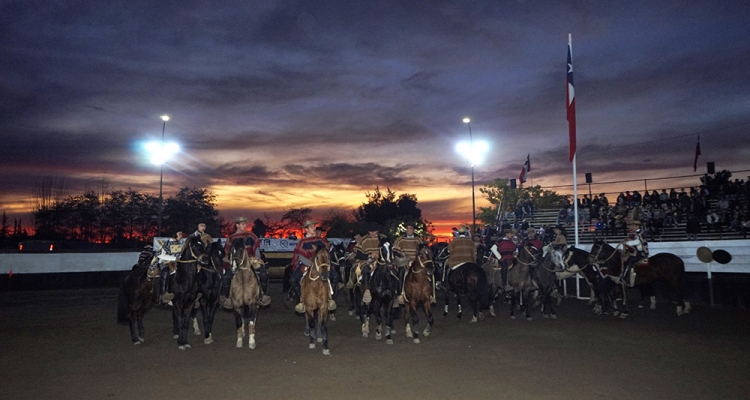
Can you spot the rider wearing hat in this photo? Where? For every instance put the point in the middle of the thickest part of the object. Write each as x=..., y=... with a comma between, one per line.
x=635, y=245
x=167, y=257
x=560, y=243
x=505, y=250
x=407, y=245
x=461, y=249
x=253, y=250
x=302, y=256
x=367, y=251
x=532, y=240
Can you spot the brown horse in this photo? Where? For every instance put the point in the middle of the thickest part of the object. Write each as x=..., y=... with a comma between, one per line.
x=417, y=293
x=663, y=265
x=244, y=291
x=315, y=291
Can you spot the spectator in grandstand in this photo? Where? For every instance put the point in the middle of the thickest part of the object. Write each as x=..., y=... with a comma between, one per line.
x=693, y=227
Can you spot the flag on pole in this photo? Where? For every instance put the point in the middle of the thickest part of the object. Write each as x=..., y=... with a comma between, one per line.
x=697, y=153
x=571, y=101
x=524, y=170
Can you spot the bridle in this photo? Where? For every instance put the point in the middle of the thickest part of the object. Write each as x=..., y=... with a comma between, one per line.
x=535, y=259
x=316, y=267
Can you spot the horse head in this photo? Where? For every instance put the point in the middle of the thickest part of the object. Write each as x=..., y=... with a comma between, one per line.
x=193, y=250
x=238, y=253
x=423, y=259
x=321, y=263
x=216, y=255
x=529, y=255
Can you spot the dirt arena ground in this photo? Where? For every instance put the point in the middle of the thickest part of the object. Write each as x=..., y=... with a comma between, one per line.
x=66, y=345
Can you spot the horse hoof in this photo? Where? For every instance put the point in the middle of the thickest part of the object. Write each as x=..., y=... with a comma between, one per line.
x=175, y=336
x=326, y=352
x=492, y=313
x=137, y=342
x=640, y=305
x=239, y=343
x=389, y=341
x=653, y=307
x=473, y=320
x=351, y=312
x=307, y=332
x=529, y=319
x=251, y=346
x=197, y=333
x=481, y=316
x=187, y=346
x=426, y=333
x=378, y=336
x=208, y=341
x=332, y=317
x=623, y=315
x=545, y=315
x=181, y=347
x=512, y=317
x=365, y=334
x=553, y=316
x=311, y=346
x=320, y=340
x=416, y=340
x=393, y=331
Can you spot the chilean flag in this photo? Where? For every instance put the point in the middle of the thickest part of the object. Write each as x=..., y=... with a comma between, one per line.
x=571, y=101
x=525, y=170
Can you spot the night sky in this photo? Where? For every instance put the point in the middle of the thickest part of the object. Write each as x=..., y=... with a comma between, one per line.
x=281, y=104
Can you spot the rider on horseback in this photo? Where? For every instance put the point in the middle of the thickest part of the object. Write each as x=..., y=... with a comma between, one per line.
x=253, y=249
x=302, y=257
x=367, y=251
x=636, y=247
x=407, y=246
x=462, y=249
x=505, y=250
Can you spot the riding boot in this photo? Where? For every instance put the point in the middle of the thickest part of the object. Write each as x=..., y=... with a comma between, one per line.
x=333, y=285
x=504, y=276
x=262, y=275
x=366, y=295
x=401, y=276
x=164, y=296
x=226, y=283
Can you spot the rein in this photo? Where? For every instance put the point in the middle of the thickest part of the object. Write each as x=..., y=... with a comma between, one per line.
x=192, y=254
x=535, y=260
x=316, y=267
x=601, y=247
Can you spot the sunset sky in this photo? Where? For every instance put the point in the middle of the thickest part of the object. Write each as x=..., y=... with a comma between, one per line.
x=281, y=104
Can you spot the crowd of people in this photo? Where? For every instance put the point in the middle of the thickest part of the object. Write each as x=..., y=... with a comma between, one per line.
x=717, y=206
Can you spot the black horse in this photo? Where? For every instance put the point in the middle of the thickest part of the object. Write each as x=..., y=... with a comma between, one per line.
x=340, y=263
x=185, y=287
x=666, y=266
x=383, y=284
x=469, y=279
x=209, y=286
x=138, y=295
x=574, y=261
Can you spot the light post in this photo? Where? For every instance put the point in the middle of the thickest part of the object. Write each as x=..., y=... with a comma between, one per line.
x=474, y=153
x=160, y=153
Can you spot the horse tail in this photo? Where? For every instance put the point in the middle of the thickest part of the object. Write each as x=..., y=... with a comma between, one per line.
x=483, y=290
x=123, y=307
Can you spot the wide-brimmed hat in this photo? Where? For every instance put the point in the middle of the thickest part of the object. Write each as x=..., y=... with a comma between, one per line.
x=240, y=219
x=531, y=230
x=308, y=223
x=410, y=223
x=372, y=227
x=463, y=230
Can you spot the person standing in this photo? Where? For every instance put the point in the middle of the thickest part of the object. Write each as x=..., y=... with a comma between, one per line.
x=302, y=256
x=252, y=245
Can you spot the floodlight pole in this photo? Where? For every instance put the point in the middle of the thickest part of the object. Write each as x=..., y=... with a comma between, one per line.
x=161, y=175
x=473, y=199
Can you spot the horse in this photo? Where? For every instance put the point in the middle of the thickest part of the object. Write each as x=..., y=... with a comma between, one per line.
x=574, y=261
x=520, y=279
x=545, y=279
x=383, y=286
x=665, y=266
x=138, y=295
x=209, y=287
x=339, y=261
x=417, y=293
x=185, y=287
x=440, y=256
x=244, y=291
x=470, y=279
x=316, y=291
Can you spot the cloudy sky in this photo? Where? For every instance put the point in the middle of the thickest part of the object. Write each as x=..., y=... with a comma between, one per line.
x=281, y=104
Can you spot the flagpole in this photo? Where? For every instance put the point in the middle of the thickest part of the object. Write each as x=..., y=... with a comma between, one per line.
x=575, y=196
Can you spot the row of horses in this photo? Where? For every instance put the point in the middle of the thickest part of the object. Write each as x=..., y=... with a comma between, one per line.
x=534, y=279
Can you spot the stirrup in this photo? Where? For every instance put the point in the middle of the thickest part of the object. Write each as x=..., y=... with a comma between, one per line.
x=400, y=299
x=300, y=308
x=227, y=303
x=433, y=300
x=331, y=305
x=265, y=300
x=167, y=297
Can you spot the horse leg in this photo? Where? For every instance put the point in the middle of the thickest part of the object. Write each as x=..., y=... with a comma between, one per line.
x=447, y=302
x=132, y=322
x=251, y=327
x=458, y=301
x=324, y=331
x=364, y=319
x=208, y=309
x=379, y=322
x=310, y=320
x=415, y=322
x=474, y=306
x=388, y=324
x=175, y=323
x=141, y=330
x=184, y=324
x=239, y=323
x=513, y=302
x=526, y=303
x=625, y=312
x=430, y=319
